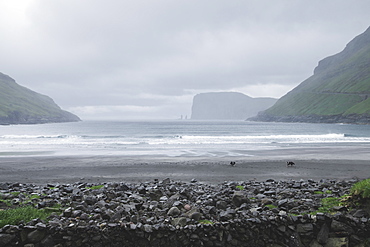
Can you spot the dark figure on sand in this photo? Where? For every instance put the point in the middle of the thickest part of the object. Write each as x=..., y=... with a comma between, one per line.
x=290, y=163
x=232, y=163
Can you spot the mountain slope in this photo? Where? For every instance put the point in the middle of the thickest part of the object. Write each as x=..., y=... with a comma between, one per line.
x=19, y=105
x=338, y=91
x=227, y=105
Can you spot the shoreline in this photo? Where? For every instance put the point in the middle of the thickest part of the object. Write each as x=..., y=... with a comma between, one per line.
x=100, y=169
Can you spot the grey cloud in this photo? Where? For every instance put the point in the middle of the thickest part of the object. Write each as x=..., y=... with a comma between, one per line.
x=127, y=54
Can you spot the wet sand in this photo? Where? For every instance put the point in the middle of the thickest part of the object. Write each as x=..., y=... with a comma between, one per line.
x=70, y=169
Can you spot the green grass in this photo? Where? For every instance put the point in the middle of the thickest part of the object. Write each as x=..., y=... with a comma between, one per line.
x=8, y=203
x=270, y=206
x=328, y=204
x=321, y=192
x=95, y=187
x=240, y=187
x=206, y=222
x=16, y=215
x=361, y=188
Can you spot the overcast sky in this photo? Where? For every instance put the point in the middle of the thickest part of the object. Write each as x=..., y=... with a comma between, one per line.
x=120, y=59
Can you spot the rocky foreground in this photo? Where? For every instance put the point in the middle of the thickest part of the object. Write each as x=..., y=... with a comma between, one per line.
x=170, y=213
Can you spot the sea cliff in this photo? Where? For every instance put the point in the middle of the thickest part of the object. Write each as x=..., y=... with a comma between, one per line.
x=337, y=92
x=20, y=105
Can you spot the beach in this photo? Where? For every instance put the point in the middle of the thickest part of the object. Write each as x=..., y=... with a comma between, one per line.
x=138, y=151
x=100, y=169
x=116, y=200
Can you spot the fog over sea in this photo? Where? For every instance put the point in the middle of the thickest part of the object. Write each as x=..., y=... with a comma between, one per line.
x=187, y=138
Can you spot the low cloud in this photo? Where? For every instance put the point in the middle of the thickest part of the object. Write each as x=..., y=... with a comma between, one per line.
x=118, y=57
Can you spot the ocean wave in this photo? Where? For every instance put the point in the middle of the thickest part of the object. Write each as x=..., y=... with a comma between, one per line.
x=39, y=136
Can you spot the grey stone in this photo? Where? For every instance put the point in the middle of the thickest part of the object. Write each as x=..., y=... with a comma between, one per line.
x=48, y=242
x=174, y=211
x=166, y=181
x=337, y=242
x=221, y=205
x=35, y=236
x=226, y=215
x=6, y=238
x=239, y=197
x=172, y=200
x=195, y=216
x=314, y=243
x=282, y=202
x=323, y=235
x=266, y=201
x=339, y=227
x=90, y=200
x=179, y=221
x=294, y=240
x=148, y=228
x=305, y=227
x=360, y=213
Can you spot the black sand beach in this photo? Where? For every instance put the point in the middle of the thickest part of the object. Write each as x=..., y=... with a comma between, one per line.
x=70, y=169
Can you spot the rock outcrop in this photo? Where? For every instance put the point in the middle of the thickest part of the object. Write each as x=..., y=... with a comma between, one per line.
x=19, y=105
x=227, y=105
x=337, y=92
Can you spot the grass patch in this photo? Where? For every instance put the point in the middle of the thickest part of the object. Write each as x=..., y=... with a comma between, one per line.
x=321, y=192
x=95, y=187
x=240, y=187
x=361, y=188
x=328, y=204
x=8, y=203
x=16, y=215
x=206, y=222
x=270, y=206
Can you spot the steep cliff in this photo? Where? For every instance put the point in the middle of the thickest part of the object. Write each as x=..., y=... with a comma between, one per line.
x=337, y=92
x=227, y=105
x=19, y=105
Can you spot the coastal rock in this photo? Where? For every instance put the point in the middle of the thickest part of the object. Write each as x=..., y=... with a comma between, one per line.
x=174, y=211
x=179, y=221
x=199, y=215
x=323, y=235
x=239, y=197
x=337, y=242
x=35, y=236
x=5, y=239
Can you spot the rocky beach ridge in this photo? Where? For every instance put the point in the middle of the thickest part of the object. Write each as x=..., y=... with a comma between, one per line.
x=174, y=213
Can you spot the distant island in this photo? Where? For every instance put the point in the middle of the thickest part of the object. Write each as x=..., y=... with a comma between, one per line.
x=227, y=106
x=20, y=105
x=337, y=92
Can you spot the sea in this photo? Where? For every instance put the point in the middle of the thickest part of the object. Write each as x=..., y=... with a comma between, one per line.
x=180, y=138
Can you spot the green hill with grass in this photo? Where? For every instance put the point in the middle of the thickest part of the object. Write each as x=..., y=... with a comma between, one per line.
x=19, y=105
x=337, y=92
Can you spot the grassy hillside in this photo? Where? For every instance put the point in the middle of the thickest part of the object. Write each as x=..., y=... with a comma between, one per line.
x=20, y=105
x=338, y=91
